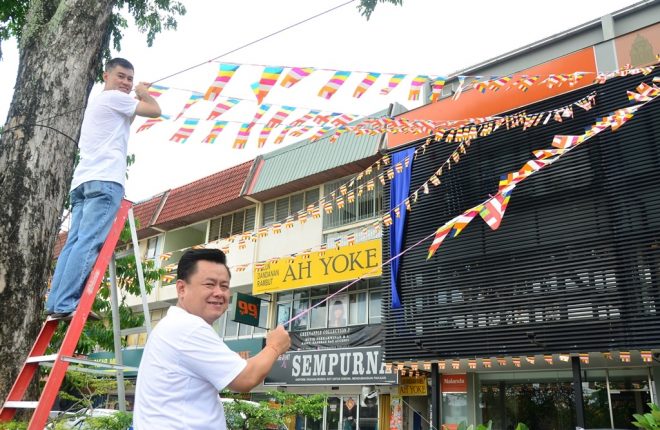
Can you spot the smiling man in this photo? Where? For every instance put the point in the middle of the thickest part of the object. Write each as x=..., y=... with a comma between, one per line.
x=98, y=181
x=185, y=363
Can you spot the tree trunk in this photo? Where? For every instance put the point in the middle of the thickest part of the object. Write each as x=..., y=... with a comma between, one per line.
x=60, y=53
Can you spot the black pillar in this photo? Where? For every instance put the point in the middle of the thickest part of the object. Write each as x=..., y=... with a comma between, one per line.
x=435, y=396
x=577, y=390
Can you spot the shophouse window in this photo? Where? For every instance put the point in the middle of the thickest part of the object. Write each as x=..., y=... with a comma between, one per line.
x=233, y=223
x=152, y=247
x=366, y=206
x=278, y=210
x=359, y=305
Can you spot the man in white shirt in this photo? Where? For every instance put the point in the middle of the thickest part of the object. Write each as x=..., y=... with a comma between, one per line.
x=98, y=181
x=185, y=364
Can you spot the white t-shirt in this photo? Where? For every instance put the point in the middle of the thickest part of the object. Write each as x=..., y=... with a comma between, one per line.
x=184, y=366
x=104, y=138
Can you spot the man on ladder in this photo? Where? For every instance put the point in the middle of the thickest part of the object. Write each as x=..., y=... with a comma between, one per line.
x=97, y=187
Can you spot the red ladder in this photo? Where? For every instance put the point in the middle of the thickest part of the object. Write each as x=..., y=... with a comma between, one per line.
x=60, y=365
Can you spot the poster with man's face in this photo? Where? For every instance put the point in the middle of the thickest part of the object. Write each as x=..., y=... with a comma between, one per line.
x=338, y=312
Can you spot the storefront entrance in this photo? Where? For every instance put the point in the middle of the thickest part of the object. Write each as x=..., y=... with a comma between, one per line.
x=345, y=413
x=545, y=400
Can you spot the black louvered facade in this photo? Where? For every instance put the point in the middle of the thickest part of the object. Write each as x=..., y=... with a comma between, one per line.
x=575, y=265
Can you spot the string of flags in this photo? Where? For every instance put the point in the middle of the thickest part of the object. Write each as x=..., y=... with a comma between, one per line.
x=381, y=171
x=416, y=368
x=492, y=209
x=316, y=124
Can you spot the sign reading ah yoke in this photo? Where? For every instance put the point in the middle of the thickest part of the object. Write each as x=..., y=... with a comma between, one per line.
x=320, y=268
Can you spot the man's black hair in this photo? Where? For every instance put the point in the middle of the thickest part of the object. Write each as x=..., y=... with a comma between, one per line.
x=188, y=262
x=122, y=62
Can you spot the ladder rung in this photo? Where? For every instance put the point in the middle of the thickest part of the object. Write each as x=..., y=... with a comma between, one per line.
x=21, y=405
x=41, y=358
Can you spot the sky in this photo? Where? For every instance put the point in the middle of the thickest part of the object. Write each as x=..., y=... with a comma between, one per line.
x=421, y=37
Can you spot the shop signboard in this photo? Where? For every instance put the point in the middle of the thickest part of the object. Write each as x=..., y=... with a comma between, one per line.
x=354, y=366
x=337, y=337
x=412, y=386
x=319, y=268
x=454, y=383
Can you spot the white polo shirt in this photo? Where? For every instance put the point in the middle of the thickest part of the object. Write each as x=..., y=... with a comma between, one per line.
x=104, y=138
x=184, y=366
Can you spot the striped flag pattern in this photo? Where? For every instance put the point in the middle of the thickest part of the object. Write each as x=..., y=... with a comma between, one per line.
x=416, y=86
x=150, y=122
x=281, y=116
x=185, y=131
x=194, y=98
x=222, y=107
x=461, y=221
x=215, y=131
x=436, y=88
x=242, y=137
x=565, y=142
x=156, y=91
x=394, y=82
x=493, y=209
x=335, y=82
x=225, y=73
x=295, y=75
x=260, y=113
x=440, y=235
x=269, y=78
x=366, y=83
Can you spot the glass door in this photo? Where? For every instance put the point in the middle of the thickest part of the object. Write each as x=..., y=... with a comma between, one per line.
x=333, y=413
x=629, y=394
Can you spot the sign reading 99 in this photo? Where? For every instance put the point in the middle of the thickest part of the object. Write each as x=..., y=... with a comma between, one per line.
x=246, y=309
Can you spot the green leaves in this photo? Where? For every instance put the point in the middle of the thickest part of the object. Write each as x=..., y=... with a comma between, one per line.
x=366, y=7
x=650, y=420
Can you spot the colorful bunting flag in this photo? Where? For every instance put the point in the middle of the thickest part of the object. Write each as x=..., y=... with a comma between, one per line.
x=367, y=82
x=222, y=107
x=185, y=131
x=303, y=119
x=280, y=138
x=225, y=73
x=436, y=88
x=215, y=131
x=156, y=91
x=416, y=86
x=565, y=142
x=295, y=75
x=395, y=80
x=268, y=80
x=242, y=137
x=194, y=98
x=260, y=113
x=336, y=81
x=461, y=221
x=150, y=122
x=342, y=120
x=493, y=209
x=281, y=116
x=440, y=235
x=263, y=135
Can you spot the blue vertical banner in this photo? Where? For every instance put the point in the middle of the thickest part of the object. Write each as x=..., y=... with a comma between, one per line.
x=399, y=192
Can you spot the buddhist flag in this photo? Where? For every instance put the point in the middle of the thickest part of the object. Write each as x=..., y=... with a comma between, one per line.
x=336, y=81
x=215, y=131
x=319, y=133
x=394, y=82
x=225, y=73
x=269, y=78
x=565, y=142
x=194, y=98
x=283, y=133
x=280, y=116
x=156, y=91
x=260, y=113
x=436, y=88
x=185, y=131
x=263, y=135
x=461, y=221
x=303, y=119
x=151, y=122
x=440, y=235
x=222, y=107
x=542, y=154
x=493, y=210
x=295, y=75
x=342, y=120
x=366, y=83
x=416, y=86
x=242, y=137
x=338, y=132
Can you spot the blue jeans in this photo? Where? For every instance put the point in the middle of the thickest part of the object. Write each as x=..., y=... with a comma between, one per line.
x=94, y=205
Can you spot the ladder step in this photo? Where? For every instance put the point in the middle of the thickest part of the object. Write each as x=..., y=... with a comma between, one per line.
x=21, y=405
x=41, y=358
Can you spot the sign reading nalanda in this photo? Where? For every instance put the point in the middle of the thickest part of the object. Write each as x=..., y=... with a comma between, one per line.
x=319, y=268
